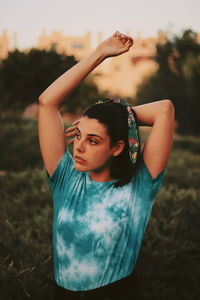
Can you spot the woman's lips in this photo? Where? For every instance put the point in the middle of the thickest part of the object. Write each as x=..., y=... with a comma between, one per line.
x=79, y=160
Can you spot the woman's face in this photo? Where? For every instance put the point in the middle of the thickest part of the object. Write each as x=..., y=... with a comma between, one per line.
x=92, y=151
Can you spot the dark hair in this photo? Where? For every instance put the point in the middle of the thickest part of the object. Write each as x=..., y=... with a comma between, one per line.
x=115, y=117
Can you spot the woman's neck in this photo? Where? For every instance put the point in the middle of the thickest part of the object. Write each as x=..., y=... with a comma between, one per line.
x=103, y=176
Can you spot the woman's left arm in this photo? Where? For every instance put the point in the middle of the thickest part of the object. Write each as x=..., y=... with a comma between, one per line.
x=161, y=116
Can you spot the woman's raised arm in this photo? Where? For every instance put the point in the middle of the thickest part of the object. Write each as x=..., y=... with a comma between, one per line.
x=61, y=87
x=51, y=129
x=161, y=116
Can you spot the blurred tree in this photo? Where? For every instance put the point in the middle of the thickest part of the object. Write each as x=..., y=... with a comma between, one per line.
x=178, y=79
x=24, y=76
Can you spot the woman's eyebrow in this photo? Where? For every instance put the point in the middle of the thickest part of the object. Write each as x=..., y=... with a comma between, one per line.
x=91, y=134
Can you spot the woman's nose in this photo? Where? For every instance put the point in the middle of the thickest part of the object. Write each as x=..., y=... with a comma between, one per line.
x=80, y=146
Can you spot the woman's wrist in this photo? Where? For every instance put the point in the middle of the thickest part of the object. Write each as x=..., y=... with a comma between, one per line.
x=99, y=54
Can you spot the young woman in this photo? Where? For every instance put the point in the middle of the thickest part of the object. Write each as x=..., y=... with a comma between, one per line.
x=103, y=195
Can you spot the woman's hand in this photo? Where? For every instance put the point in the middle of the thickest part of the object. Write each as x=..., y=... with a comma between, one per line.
x=115, y=45
x=71, y=131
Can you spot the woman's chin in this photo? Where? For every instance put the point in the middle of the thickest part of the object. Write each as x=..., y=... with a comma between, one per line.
x=80, y=167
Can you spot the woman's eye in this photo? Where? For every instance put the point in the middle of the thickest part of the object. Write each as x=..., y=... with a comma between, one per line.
x=93, y=142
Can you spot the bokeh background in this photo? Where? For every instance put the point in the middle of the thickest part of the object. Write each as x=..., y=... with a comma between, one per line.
x=40, y=40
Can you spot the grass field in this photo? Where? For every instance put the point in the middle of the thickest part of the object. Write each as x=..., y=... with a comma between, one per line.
x=169, y=260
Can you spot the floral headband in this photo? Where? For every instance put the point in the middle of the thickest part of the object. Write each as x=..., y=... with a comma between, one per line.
x=133, y=138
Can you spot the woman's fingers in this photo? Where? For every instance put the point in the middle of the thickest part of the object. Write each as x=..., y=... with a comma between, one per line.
x=117, y=44
x=124, y=37
x=126, y=41
x=117, y=35
x=129, y=43
x=130, y=40
x=76, y=122
x=71, y=128
x=71, y=131
x=121, y=36
x=69, y=134
x=70, y=141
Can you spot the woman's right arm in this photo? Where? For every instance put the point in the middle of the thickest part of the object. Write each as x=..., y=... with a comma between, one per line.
x=50, y=124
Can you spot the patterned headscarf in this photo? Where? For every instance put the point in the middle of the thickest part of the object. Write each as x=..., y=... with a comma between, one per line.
x=133, y=138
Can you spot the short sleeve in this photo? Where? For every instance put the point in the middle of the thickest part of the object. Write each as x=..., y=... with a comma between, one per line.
x=64, y=170
x=147, y=185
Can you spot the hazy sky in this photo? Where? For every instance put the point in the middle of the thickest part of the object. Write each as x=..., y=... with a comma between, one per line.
x=73, y=17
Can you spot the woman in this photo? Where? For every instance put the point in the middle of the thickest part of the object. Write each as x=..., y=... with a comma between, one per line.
x=103, y=195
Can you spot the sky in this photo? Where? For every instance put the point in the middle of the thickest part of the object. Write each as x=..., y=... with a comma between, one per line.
x=72, y=17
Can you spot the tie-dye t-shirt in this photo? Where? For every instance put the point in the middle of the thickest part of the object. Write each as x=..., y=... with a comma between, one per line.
x=98, y=228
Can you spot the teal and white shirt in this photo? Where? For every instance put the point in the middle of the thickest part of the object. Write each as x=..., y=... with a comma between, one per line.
x=98, y=228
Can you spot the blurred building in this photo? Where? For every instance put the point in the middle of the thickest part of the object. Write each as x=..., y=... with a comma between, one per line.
x=67, y=45
x=4, y=44
x=120, y=76
x=7, y=44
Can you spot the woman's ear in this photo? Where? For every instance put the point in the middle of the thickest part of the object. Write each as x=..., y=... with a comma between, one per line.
x=118, y=148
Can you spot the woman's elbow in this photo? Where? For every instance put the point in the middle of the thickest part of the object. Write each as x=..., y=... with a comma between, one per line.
x=168, y=107
x=41, y=99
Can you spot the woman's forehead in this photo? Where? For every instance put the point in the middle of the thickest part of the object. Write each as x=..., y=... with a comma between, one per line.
x=91, y=126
